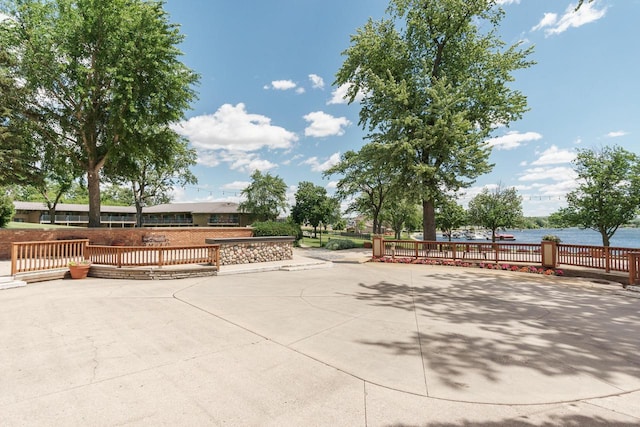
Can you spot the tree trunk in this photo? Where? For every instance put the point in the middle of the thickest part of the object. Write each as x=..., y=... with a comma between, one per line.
x=428, y=220
x=52, y=214
x=138, y=214
x=605, y=239
x=93, y=185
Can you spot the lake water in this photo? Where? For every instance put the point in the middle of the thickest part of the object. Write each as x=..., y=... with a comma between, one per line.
x=623, y=238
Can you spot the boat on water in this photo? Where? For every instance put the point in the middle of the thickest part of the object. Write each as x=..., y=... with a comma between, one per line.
x=475, y=236
x=504, y=236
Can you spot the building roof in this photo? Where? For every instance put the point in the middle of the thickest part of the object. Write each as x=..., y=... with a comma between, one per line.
x=194, y=208
x=205, y=208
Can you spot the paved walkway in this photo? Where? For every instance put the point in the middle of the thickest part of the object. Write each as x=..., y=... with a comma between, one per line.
x=354, y=344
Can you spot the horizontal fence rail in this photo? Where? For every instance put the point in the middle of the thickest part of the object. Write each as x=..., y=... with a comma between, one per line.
x=39, y=256
x=601, y=257
x=491, y=252
x=138, y=256
x=598, y=257
x=50, y=255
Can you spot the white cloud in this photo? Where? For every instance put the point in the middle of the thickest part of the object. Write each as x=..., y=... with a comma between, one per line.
x=245, y=162
x=559, y=173
x=323, y=124
x=501, y=2
x=571, y=19
x=283, y=84
x=553, y=156
x=317, y=82
x=332, y=185
x=513, y=140
x=339, y=95
x=616, y=134
x=316, y=166
x=300, y=90
x=232, y=128
x=547, y=20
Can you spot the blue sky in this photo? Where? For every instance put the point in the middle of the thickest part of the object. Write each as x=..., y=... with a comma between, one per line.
x=266, y=99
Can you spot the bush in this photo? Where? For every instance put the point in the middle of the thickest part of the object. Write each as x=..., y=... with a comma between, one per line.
x=338, y=244
x=272, y=228
x=6, y=209
x=551, y=238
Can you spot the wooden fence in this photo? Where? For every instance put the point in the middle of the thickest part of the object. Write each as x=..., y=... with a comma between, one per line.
x=42, y=256
x=598, y=257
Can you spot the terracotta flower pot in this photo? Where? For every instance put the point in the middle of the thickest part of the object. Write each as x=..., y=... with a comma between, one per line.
x=79, y=271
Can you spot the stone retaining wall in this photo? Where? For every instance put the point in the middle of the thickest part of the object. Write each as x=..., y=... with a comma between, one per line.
x=254, y=249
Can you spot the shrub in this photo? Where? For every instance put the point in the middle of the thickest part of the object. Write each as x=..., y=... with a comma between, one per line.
x=6, y=209
x=272, y=228
x=551, y=238
x=338, y=244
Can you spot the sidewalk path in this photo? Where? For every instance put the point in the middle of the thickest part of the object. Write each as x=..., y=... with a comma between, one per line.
x=355, y=345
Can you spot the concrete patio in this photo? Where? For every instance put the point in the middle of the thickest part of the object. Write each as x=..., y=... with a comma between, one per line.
x=355, y=344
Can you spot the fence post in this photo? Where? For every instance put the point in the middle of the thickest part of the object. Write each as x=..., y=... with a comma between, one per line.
x=634, y=270
x=549, y=254
x=14, y=258
x=607, y=259
x=378, y=246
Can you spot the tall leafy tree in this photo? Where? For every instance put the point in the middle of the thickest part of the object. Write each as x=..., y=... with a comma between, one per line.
x=151, y=175
x=314, y=206
x=102, y=72
x=7, y=209
x=265, y=197
x=450, y=216
x=367, y=179
x=400, y=213
x=497, y=208
x=608, y=193
x=436, y=80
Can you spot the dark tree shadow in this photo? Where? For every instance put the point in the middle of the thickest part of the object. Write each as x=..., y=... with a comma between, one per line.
x=550, y=327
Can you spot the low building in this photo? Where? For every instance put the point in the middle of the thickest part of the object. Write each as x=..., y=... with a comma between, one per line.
x=206, y=214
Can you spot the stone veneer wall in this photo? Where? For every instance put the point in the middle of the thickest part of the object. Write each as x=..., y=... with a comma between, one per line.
x=174, y=236
x=254, y=249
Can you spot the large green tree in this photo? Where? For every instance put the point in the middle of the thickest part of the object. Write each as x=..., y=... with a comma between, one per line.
x=497, y=208
x=608, y=192
x=367, y=180
x=7, y=209
x=400, y=213
x=436, y=80
x=314, y=206
x=102, y=72
x=450, y=216
x=265, y=197
x=150, y=174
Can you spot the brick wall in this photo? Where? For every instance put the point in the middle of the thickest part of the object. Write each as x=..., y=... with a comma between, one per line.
x=119, y=236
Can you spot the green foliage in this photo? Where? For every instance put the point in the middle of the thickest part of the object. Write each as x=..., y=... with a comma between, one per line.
x=98, y=75
x=450, y=216
x=367, y=178
x=7, y=209
x=500, y=208
x=551, y=238
x=272, y=228
x=266, y=197
x=152, y=175
x=339, y=224
x=400, y=213
x=313, y=206
x=339, y=244
x=608, y=193
x=435, y=80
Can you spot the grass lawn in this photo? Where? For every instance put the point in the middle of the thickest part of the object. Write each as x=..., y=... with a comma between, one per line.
x=23, y=225
x=310, y=242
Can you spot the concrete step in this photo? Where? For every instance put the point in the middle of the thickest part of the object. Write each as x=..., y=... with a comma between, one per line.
x=8, y=282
